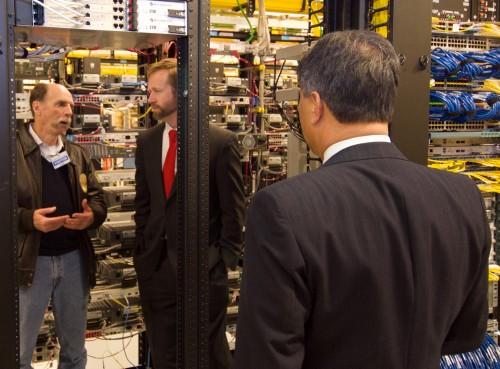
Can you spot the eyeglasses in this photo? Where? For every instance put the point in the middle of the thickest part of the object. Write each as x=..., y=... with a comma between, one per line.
x=290, y=115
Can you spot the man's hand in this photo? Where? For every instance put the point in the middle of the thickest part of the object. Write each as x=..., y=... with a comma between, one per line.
x=47, y=224
x=80, y=221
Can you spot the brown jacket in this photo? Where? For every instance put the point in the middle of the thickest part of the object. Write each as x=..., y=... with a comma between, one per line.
x=29, y=198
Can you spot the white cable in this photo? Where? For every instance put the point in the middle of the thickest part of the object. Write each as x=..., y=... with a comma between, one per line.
x=61, y=3
x=263, y=34
x=71, y=3
x=56, y=12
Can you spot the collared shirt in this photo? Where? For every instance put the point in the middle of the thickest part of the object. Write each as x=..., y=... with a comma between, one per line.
x=165, y=145
x=341, y=145
x=47, y=151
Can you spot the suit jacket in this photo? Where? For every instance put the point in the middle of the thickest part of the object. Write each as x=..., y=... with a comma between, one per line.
x=369, y=262
x=156, y=216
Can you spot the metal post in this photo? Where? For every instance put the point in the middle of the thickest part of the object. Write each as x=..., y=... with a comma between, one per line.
x=411, y=37
x=193, y=213
x=9, y=336
x=344, y=14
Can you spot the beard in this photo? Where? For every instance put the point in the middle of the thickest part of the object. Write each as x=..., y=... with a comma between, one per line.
x=162, y=113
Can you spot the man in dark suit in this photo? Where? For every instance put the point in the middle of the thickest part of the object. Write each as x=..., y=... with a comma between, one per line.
x=156, y=222
x=371, y=261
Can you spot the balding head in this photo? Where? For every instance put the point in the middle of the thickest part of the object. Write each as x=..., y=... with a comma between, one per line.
x=52, y=107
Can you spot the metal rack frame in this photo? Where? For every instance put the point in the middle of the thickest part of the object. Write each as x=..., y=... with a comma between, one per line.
x=411, y=37
x=410, y=33
x=192, y=180
x=9, y=336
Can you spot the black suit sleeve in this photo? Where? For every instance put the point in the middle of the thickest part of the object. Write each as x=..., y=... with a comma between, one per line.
x=142, y=198
x=95, y=195
x=468, y=329
x=275, y=299
x=231, y=201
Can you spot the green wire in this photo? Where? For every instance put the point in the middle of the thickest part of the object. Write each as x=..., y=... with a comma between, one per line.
x=252, y=29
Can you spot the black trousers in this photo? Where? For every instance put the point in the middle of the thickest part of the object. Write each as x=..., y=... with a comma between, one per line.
x=158, y=298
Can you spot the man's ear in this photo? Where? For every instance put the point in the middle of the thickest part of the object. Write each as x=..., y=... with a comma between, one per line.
x=317, y=107
x=36, y=106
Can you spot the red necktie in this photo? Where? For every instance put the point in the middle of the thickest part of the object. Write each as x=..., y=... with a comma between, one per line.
x=169, y=165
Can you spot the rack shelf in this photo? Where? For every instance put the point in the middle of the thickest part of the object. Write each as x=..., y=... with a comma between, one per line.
x=90, y=38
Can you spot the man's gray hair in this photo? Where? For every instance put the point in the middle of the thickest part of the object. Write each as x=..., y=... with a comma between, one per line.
x=355, y=73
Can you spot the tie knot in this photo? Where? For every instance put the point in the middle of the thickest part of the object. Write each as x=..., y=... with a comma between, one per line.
x=172, y=135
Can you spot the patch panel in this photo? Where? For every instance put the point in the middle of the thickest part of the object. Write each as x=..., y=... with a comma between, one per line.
x=104, y=15
x=463, y=43
x=158, y=17
x=454, y=126
x=479, y=150
x=113, y=15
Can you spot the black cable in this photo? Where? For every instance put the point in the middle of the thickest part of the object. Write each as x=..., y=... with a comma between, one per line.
x=279, y=75
x=294, y=123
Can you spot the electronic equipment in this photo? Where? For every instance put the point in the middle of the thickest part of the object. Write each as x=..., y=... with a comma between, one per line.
x=119, y=197
x=122, y=233
x=452, y=10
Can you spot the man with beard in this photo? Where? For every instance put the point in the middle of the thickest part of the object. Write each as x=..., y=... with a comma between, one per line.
x=58, y=199
x=156, y=222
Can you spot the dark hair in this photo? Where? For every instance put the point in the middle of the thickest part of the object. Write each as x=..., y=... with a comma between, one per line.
x=169, y=65
x=38, y=93
x=355, y=73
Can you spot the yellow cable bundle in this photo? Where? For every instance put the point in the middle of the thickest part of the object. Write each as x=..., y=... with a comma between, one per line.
x=484, y=177
x=377, y=4
x=489, y=29
x=489, y=163
x=492, y=277
x=455, y=166
x=492, y=85
x=489, y=188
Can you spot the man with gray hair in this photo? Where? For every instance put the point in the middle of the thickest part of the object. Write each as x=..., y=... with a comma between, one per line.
x=371, y=261
x=58, y=201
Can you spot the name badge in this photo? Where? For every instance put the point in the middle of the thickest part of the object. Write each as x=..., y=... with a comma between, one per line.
x=60, y=160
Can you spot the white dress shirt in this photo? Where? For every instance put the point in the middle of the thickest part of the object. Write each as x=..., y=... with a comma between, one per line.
x=165, y=145
x=47, y=151
x=341, y=145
